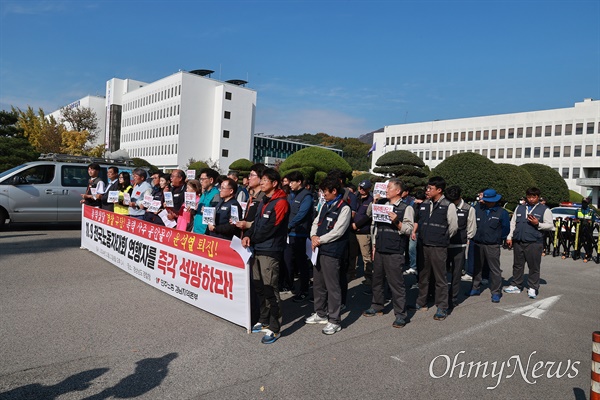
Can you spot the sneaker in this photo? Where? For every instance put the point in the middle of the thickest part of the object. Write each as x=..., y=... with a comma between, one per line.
x=300, y=297
x=473, y=292
x=496, y=298
x=270, y=337
x=315, y=319
x=410, y=271
x=466, y=278
x=258, y=327
x=531, y=292
x=371, y=312
x=331, y=328
x=485, y=281
x=512, y=289
x=284, y=290
x=440, y=315
x=399, y=323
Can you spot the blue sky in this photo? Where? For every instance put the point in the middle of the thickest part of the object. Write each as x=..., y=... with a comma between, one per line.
x=340, y=67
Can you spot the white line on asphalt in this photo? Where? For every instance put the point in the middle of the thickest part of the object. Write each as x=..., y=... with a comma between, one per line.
x=533, y=310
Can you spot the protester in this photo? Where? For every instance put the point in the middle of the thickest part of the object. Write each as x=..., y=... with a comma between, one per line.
x=329, y=233
x=241, y=194
x=268, y=237
x=186, y=215
x=123, y=187
x=158, y=196
x=526, y=239
x=223, y=228
x=390, y=242
x=140, y=189
x=209, y=197
x=437, y=223
x=95, y=187
x=113, y=182
x=493, y=225
x=361, y=226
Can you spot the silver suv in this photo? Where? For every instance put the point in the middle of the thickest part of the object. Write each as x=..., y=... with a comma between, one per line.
x=49, y=190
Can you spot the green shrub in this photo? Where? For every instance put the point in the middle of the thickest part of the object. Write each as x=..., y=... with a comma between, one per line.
x=553, y=186
x=314, y=160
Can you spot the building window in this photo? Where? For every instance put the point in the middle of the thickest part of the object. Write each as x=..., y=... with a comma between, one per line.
x=455, y=137
x=421, y=155
x=556, y=152
x=226, y=134
x=598, y=150
x=486, y=135
x=227, y=115
x=470, y=135
x=589, y=150
x=448, y=137
x=403, y=139
x=422, y=138
x=527, y=152
x=410, y=140
x=577, y=151
x=478, y=135
x=590, y=127
x=441, y=137
x=557, y=130
x=519, y=133
x=579, y=129
x=528, y=131
x=484, y=152
x=567, y=151
x=441, y=154
x=463, y=136
x=576, y=172
x=509, y=153
x=548, y=130
x=435, y=138
x=428, y=138
x=227, y=95
x=511, y=133
x=387, y=141
x=447, y=153
x=538, y=131
x=546, y=151
x=502, y=133
x=492, y=153
x=494, y=134
x=224, y=153
x=536, y=152
x=433, y=155
x=500, y=153
x=427, y=155
x=565, y=173
x=393, y=140
x=568, y=129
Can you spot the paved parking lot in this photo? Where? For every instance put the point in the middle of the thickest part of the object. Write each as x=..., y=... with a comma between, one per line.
x=73, y=326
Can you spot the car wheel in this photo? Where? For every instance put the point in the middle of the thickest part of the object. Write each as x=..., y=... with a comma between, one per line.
x=3, y=217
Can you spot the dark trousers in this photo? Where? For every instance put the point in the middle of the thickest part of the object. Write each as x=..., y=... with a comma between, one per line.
x=327, y=292
x=434, y=265
x=296, y=259
x=265, y=273
x=389, y=266
x=530, y=253
x=454, y=264
x=345, y=261
x=488, y=254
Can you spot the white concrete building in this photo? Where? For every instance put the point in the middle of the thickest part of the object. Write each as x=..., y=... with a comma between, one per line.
x=182, y=116
x=566, y=139
x=96, y=104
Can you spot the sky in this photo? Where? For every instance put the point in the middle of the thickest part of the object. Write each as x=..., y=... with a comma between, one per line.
x=340, y=67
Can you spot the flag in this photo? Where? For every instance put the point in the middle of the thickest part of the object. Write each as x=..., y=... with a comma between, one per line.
x=372, y=148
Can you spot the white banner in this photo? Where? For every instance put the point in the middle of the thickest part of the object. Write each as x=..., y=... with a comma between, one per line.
x=201, y=270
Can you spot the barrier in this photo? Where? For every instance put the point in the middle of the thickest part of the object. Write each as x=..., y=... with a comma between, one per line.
x=571, y=236
x=203, y=271
x=595, y=385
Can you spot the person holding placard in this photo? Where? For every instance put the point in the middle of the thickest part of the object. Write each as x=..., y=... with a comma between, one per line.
x=113, y=181
x=186, y=213
x=156, y=203
x=390, y=239
x=227, y=207
x=141, y=188
x=209, y=198
x=124, y=189
x=95, y=187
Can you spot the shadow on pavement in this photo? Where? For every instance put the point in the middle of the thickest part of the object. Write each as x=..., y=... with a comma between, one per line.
x=74, y=383
x=40, y=245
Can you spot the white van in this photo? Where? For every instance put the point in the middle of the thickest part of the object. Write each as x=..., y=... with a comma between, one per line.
x=49, y=190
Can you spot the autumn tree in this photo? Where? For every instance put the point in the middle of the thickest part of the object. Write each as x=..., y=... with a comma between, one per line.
x=15, y=149
x=44, y=133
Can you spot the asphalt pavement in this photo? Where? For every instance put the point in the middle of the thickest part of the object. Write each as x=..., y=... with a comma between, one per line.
x=73, y=326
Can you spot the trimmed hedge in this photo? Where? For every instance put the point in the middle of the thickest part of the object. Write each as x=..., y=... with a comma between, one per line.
x=471, y=171
x=316, y=161
x=553, y=186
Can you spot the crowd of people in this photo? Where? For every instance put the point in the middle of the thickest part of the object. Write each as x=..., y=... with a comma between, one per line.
x=428, y=234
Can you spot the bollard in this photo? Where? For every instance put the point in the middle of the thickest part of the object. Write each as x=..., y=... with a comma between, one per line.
x=595, y=388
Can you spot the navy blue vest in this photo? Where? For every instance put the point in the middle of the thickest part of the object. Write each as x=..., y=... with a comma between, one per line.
x=92, y=185
x=460, y=237
x=278, y=240
x=302, y=229
x=327, y=220
x=433, y=229
x=489, y=227
x=388, y=239
x=524, y=231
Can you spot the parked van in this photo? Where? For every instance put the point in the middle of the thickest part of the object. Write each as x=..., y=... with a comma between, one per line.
x=50, y=189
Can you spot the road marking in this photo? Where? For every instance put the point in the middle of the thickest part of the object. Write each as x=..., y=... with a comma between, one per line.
x=533, y=310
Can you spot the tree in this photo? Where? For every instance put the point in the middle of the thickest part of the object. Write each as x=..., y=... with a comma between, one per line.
x=14, y=147
x=366, y=177
x=242, y=166
x=513, y=181
x=314, y=163
x=553, y=186
x=80, y=119
x=140, y=162
x=44, y=133
x=471, y=171
x=404, y=165
x=197, y=166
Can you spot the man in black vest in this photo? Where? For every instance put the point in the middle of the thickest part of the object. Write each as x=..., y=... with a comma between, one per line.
x=113, y=182
x=467, y=226
x=178, y=189
x=95, y=187
x=361, y=225
x=268, y=235
x=329, y=233
x=436, y=224
x=526, y=238
x=493, y=225
x=391, y=241
x=301, y=217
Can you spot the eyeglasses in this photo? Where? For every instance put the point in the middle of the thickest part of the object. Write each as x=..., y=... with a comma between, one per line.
x=252, y=175
x=224, y=188
x=202, y=179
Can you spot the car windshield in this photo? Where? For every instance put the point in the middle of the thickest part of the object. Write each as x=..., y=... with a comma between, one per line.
x=10, y=171
x=564, y=210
